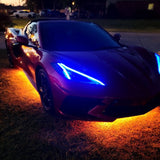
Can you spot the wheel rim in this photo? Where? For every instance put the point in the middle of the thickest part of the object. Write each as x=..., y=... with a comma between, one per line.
x=45, y=91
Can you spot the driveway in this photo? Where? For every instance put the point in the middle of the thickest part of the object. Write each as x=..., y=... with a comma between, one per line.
x=150, y=41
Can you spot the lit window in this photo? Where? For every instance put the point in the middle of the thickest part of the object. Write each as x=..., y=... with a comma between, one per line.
x=151, y=6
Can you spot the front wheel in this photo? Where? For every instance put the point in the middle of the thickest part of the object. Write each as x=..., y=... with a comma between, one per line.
x=44, y=89
x=10, y=59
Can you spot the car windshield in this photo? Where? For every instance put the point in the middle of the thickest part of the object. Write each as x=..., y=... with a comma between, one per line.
x=74, y=36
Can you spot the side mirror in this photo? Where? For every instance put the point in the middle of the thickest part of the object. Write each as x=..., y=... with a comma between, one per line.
x=17, y=31
x=117, y=37
x=22, y=40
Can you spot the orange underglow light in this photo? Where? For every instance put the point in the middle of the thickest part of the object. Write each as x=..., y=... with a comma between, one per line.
x=122, y=138
x=124, y=127
x=118, y=134
x=20, y=92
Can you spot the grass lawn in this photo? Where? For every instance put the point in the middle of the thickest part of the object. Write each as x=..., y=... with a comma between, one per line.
x=20, y=23
x=27, y=132
x=118, y=25
x=139, y=25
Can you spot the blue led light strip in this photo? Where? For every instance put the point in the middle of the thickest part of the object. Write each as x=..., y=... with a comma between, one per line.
x=158, y=61
x=65, y=68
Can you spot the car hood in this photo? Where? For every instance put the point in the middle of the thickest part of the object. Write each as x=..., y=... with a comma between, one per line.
x=124, y=70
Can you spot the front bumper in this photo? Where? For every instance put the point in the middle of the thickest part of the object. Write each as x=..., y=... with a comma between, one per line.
x=107, y=109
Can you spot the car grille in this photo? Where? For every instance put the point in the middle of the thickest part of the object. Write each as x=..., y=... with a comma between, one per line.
x=78, y=106
x=125, y=108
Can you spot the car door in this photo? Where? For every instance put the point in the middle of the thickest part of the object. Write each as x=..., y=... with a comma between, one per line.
x=30, y=51
x=26, y=14
x=21, y=13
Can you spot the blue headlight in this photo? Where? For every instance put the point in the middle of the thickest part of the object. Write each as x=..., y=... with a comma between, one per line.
x=74, y=74
x=158, y=61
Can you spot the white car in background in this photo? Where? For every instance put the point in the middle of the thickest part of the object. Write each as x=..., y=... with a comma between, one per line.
x=24, y=14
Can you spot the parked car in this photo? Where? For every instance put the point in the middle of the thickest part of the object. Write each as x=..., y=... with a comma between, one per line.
x=44, y=13
x=51, y=13
x=82, y=14
x=80, y=70
x=10, y=12
x=24, y=14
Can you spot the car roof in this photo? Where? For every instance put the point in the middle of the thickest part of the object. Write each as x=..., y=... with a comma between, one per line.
x=47, y=19
x=57, y=20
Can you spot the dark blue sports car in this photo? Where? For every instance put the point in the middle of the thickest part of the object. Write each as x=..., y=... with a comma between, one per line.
x=80, y=70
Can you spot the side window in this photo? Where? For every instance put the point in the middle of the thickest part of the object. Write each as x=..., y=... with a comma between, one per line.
x=32, y=33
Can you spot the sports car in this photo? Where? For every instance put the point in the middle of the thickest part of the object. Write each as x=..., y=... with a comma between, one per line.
x=81, y=71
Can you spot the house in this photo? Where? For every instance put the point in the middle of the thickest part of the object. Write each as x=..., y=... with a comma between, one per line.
x=123, y=8
x=133, y=8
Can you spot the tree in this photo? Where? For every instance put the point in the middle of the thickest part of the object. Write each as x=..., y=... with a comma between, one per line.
x=33, y=4
x=47, y=4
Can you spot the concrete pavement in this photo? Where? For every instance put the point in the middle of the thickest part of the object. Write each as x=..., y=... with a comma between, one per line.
x=150, y=41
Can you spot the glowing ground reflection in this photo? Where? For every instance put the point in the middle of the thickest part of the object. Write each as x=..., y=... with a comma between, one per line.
x=126, y=138
x=18, y=89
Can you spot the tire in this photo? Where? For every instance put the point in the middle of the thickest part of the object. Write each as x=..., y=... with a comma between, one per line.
x=44, y=89
x=29, y=16
x=17, y=16
x=10, y=59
